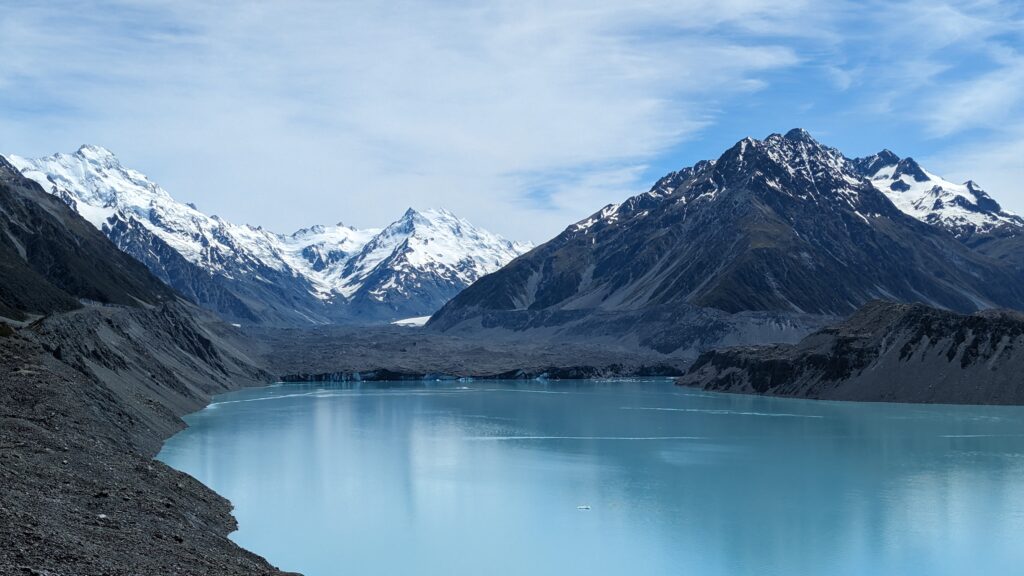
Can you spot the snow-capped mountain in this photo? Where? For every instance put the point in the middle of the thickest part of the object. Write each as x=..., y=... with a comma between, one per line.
x=783, y=225
x=963, y=209
x=248, y=274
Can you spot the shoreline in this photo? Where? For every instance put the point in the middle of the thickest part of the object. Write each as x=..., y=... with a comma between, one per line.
x=838, y=400
x=91, y=396
x=88, y=398
x=550, y=373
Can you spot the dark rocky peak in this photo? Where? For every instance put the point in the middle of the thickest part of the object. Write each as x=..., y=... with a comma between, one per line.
x=672, y=181
x=797, y=148
x=909, y=167
x=781, y=157
x=740, y=160
x=985, y=202
x=800, y=135
x=786, y=162
x=870, y=165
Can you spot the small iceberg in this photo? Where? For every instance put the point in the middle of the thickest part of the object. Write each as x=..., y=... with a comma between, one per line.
x=416, y=322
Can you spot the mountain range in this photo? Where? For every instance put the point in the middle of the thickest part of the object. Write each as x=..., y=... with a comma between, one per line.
x=767, y=243
x=317, y=275
x=784, y=226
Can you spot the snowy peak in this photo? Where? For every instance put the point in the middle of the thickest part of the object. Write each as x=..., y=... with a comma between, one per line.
x=963, y=209
x=793, y=166
x=871, y=164
x=911, y=169
x=97, y=154
x=424, y=246
x=331, y=265
x=785, y=159
x=93, y=182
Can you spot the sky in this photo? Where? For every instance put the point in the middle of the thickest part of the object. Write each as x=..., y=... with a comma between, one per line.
x=522, y=116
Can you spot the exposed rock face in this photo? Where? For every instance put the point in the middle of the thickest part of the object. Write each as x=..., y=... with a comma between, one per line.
x=86, y=399
x=783, y=226
x=884, y=352
x=50, y=257
x=340, y=353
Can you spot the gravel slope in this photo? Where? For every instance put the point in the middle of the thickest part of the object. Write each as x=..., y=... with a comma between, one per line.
x=86, y=399
x=885, y=352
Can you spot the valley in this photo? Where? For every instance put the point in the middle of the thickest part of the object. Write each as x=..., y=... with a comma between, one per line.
x=566, y=288
x=781, y=268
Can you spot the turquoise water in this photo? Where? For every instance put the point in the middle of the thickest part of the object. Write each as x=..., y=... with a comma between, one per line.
x=496, y=478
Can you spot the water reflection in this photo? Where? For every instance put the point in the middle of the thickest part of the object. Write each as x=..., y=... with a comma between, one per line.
x=495, y=477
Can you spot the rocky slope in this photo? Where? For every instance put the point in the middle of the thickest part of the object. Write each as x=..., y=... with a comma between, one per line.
x=332, y=353
x=885, y=352
x=321, y=274
x=783, y=226
x=50, y=258
x=98, y=361
x=86, y=399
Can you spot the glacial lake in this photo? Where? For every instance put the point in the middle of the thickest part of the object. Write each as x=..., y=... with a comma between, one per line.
x=608, y=477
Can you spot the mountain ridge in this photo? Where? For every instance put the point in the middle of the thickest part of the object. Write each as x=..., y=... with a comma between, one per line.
x=963, y=209
x=251, y=275
x=783, y=225
x=52, y=260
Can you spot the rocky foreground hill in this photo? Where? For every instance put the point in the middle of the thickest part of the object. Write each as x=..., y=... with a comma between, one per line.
x=885, y=352
x=86, y=400
x=98, y=361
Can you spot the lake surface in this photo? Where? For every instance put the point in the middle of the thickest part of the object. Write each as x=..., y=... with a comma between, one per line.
x=495, y=478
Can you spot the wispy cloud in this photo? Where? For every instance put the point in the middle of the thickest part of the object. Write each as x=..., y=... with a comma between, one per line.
x=283, y=113
x=521, y=115
x=961, y=77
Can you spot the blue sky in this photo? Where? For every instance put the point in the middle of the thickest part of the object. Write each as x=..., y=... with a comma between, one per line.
x=521, y=115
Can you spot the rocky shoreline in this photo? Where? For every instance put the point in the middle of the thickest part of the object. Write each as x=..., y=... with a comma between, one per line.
x=549, y=373
x=340, y=353
x=88, y=398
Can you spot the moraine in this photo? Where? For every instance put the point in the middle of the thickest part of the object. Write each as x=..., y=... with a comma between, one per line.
x=608, y=477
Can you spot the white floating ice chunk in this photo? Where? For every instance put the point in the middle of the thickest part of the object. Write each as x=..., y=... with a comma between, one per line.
x=417, y=321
